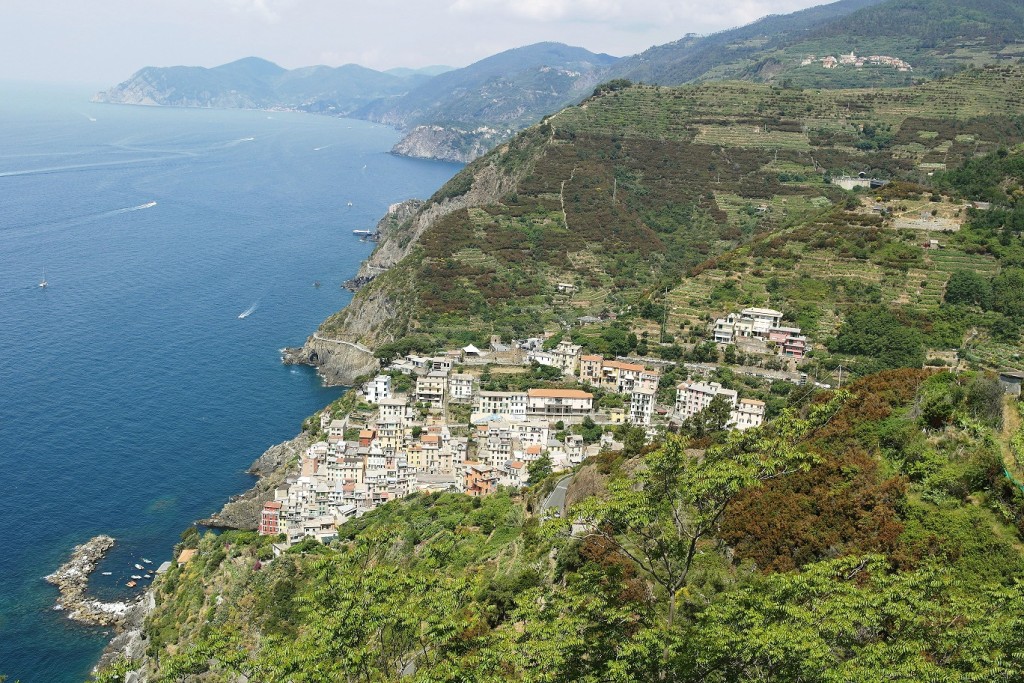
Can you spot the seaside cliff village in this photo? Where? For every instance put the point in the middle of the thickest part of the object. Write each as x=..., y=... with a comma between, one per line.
x=425, y=424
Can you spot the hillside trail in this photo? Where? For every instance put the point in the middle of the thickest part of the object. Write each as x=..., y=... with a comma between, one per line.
x=1011, y=425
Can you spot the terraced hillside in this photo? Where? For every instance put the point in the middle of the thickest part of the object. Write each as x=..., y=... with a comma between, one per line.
x=626, y=193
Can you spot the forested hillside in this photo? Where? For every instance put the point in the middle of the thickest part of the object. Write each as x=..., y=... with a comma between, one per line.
x=666, y=207
x=935, y=37
x=863, y=535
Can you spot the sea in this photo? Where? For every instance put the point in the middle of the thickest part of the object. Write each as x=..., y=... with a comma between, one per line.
x=181, y=250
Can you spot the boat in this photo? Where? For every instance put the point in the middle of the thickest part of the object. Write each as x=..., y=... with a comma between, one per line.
x=43, y=283
x=362, y=233
x=147, y=561
x=316, y=283
x=131, y=584
x=136, y=576
x=106, y=573
x=350, y=203
x=139, y=566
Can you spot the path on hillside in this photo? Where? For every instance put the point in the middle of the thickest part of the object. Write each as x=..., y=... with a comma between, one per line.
x=1011, y=425
x=556, y=499
x=354, y=345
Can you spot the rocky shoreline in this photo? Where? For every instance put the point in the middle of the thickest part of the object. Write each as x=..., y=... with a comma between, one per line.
x=243, y=510
x=72, y=580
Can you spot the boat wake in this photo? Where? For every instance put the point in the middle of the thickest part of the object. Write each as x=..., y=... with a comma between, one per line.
x=249, y=311
x=129, y=209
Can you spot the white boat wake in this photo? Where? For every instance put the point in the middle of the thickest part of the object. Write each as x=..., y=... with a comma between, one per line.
x=249, y=311
x=140, y=207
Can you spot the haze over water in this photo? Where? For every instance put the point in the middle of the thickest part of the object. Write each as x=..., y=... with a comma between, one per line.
x=132, y=395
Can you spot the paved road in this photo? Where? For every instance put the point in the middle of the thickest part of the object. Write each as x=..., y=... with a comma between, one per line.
x=556, y=499
x=354, y=345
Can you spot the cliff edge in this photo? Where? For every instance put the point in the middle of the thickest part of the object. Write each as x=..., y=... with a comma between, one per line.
x=343, y=347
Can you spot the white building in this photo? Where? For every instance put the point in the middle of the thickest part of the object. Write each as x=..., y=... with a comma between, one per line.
x=430, y=388
x=693, y=397
x=748, y=413
x=641, y=405
x=394, y=409
x=492, y=403
x=750, y=322
x=559, y=403
x=460, y=387
x=377, y=389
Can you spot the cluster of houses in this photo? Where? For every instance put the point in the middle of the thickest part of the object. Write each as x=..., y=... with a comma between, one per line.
x=407, y=444
x=831, y=62
x=693, y=397
x=755, y=328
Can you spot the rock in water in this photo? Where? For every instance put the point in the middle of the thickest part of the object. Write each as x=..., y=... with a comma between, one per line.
x=72, y=579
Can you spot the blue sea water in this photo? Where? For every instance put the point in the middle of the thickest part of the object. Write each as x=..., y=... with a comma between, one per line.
x=132, y=396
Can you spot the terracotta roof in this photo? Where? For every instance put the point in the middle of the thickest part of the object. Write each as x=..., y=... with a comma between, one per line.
x=186, y=555
x=272, y=505
x=752, y=400
x=558, y=393
x=365, y=433
x=593, y=358
x=623, y=366
x=533, y=449
x=516, y=465
x=430, y=438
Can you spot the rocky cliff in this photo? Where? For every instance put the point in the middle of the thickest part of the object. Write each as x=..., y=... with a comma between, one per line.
x=342, y=349
x=447, y=143
x=243, y=511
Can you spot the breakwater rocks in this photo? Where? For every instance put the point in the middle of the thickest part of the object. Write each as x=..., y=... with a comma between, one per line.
x=72, y=579
x=243, y=511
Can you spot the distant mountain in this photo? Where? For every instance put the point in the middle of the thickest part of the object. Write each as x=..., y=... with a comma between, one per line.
x=434, y=70
x=512, y=88
x=931, y=37
x=254, y=83
x=457, y=114
x=454, y=114
x=460, y=114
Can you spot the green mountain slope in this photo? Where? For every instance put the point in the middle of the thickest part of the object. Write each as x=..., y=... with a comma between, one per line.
x=628, y=193
x=935, y=37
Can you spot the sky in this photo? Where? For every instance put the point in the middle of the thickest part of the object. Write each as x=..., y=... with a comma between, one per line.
x=102, y=42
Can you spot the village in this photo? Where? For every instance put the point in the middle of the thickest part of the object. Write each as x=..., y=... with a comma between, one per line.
x=832, y=62
x=425, y=423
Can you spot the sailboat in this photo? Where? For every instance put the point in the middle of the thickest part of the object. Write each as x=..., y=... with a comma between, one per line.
x=43, y=283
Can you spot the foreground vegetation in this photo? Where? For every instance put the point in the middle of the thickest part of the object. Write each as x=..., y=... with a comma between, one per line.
x=862, y=536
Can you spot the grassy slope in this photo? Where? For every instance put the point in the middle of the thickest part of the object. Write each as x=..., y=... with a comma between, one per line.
x=479, y=590
x=626, y=193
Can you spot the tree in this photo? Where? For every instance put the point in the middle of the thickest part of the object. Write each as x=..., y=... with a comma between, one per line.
x=539, y=469
x=714, y=418
x=659, y=516
x=968, y=288
x=854, y=619
x=877, y=333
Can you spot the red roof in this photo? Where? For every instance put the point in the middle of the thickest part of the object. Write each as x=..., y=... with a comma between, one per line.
x=558, y=393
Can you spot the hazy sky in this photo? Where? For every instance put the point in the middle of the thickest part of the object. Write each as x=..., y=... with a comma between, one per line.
x=103, y=41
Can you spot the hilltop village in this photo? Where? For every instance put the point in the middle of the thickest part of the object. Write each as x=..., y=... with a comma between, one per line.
x=432, y=423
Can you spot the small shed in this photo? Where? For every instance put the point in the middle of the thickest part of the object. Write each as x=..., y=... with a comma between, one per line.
x=186, y=556
x=1011, y=381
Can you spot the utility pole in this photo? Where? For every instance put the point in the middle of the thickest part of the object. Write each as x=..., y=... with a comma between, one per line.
x=840, y=377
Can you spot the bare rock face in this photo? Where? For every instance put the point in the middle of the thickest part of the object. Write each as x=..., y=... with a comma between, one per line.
x=72, y=579
x=243, y=510
x=445, y=143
